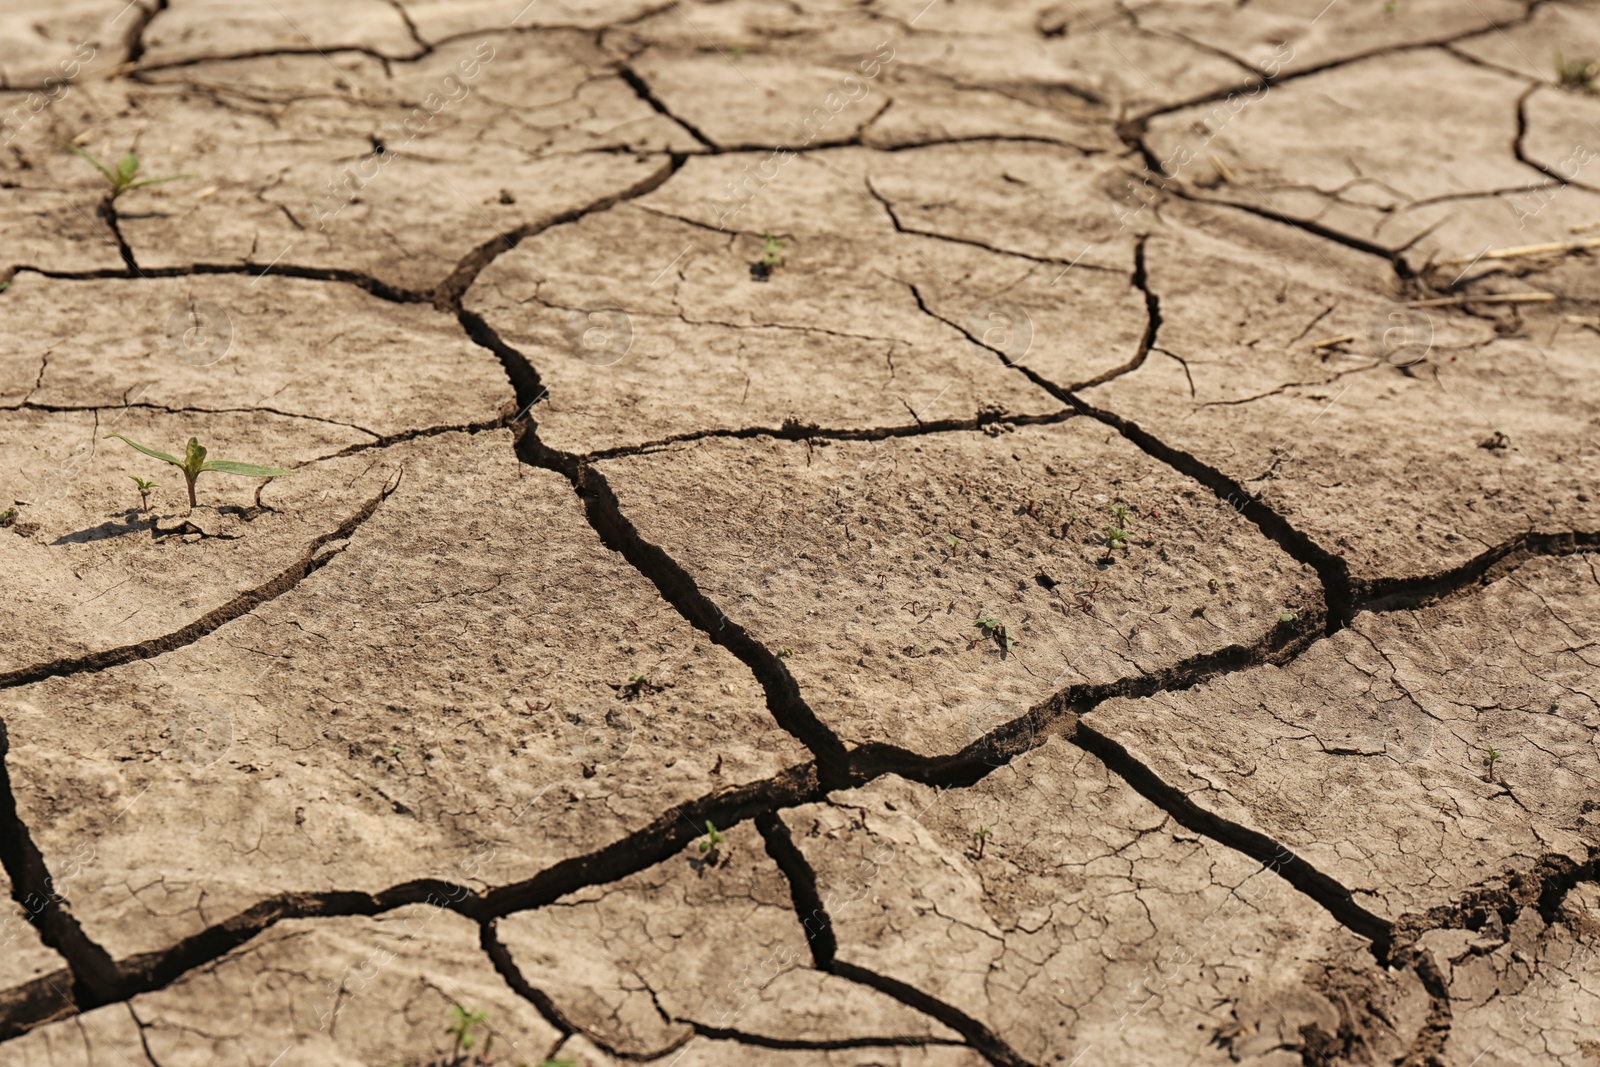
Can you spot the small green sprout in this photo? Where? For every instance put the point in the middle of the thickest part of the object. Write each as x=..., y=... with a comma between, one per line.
x=993, y=627
x=1555, y=706
x=1577, y=74
x=1489, y=760
x=708, y=847
x=953, y=541
x=1121, y=514
x=771, y=251
x=980, y=837
x=194, y=463
x=785, y=652
x=126, y=178
x=7, y=517
x=464, y=1026
x=1289, y=618
x=1390, y=8
x=771, y=258
x=144, y=491
x=1116, y=537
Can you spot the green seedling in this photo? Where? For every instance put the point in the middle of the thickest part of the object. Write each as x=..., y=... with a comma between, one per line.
x=7, y=517
x=464, y=1027
x=953, y=541
x=708, y=847
x=771, y=251
x=144, y=491
x=194, y=463
x=1577, y=74
x=126, y=178
x=1289, y=618
x=993, y=627
x=785, y=652
x=1116, y=537
x=1121, y=514
x=1555, y=706
x=1489, y=760
x=980, y=837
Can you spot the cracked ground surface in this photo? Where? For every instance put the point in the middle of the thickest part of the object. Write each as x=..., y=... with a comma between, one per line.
x=820, y=534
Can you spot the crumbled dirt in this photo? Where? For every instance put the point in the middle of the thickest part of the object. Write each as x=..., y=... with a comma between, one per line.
x=820, y=534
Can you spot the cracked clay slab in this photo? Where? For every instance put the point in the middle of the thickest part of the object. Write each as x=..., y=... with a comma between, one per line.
x=1437, y=135
x=1091, y=926
x=1528, y=991
x=828, y=341
x=337, y=164
x=1405, y=441
x=328, y=992
x=640, y=965
x=877, y=558
x=327, y=353
x=93, y=572
x=448, y=695
x=1369, y=756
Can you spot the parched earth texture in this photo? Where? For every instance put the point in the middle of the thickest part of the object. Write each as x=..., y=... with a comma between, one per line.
x=818, y=534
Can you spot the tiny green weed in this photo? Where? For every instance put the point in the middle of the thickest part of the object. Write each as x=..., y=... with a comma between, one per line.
x=194, y=463
x=708, y=847
x=1577, y=74
x=995, y=628
x=466, y=1027
x=1289, y=618
x=125, y=179
x=7, y=517
x=771, y=258
x=144, y=491
x=1489, y=760
x=980, y=837
x=785, y=652
x=771, y=251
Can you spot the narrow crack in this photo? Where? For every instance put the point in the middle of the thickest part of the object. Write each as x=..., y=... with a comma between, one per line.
x=794, y=430
x=642, y=90
x=450, y=291
x=245, y=602
x=92, y=975
x=784, y=700
x=373, y=285
x=1147, y=340
x=136, y=32
x=818, y=926
x=1339, y=901
x=1408, y=594
x=1331, y=570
